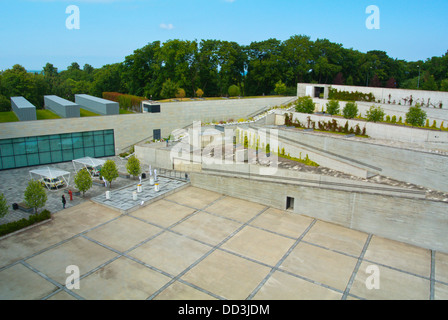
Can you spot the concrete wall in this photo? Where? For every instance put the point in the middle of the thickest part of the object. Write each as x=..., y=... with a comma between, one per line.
x=97, y=105
x=62, y=107
x=440, y=116
x=23, y=109
x=382, y=130
x=415, y=221
x=383, y=95
x=132, y=128
x=418, y=167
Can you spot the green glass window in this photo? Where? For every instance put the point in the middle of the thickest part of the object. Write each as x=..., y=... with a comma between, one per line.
x=31, y=151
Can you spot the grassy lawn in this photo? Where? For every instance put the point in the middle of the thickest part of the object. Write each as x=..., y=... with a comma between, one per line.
x=124, y=111
x=87, y=113
x=46, y=114
x=8, y=116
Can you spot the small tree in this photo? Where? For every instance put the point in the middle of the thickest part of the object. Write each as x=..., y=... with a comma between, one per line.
x=350, y=110
x=416, y=116
x=375, y=114
x=234, y=91
x=199, y=93
x=305, y=105
x=280, y=88
x=109, y=171
x=3, y=206
x=180, y=94
x=83, y=181
x=133, y=166
x=169, y=89
x=35, y=195
x=333, y=107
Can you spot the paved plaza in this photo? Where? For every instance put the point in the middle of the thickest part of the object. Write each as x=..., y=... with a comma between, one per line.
x=197, y=244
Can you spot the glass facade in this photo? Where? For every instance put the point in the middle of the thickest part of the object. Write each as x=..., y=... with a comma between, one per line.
x=31, y=151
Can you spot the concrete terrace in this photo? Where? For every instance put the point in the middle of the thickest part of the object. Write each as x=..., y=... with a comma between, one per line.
x=198, y=244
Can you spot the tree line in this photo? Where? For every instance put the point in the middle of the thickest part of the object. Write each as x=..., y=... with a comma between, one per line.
x=211, y=67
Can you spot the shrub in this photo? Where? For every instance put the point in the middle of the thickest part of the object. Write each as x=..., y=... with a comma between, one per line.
x=35, y=195
x=133, y=166
x=83, y=181
x=23, y=223
x=333, y=107
x=3, y=206
x=416, y=116
x=350, y=110
x=305, y=105
x=394, y=119
x=234, y=91
x=109, y=171
x=375, y=114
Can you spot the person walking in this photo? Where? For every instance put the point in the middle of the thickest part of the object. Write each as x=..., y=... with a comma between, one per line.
x=63, y=202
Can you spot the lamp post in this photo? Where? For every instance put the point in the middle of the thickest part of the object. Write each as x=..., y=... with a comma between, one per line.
x=418, y=81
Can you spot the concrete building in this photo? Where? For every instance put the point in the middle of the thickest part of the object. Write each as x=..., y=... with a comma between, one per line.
x=62, y=107
x=433, y=99
x=97, y=105
x=23, y=109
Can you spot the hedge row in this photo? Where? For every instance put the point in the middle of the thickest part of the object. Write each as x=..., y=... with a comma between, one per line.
x=334, y=94
x=23, y=223
x=126, y=101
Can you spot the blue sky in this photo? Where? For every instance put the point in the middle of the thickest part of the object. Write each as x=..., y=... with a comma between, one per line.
x=33, y=32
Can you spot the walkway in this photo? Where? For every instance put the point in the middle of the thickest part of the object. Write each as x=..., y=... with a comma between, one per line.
x=197, y=244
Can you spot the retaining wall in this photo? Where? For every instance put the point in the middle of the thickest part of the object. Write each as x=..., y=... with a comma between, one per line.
x=415, y=221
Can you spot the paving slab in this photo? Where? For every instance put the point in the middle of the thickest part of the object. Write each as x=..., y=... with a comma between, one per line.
x=227, y=275
x=324, y=266
x=122, y=279
x=393, y=285
x=282, y=222
x=282, y=286
x=20, y=283
x=194, y=197
x=236, y=209
x=337, y=238
x=170, y=252
x=123, y=233
x=181, y=291
x=84, y=254
x=206, y=227
x=163, y=213
x=399, y=255
x=259, y=245
x=65, y=224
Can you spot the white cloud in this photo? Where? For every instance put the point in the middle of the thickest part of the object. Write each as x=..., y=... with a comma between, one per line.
x=165, y=26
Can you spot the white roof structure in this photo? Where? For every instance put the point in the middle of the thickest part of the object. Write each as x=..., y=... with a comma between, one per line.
x=53, y=178
x=87, y=162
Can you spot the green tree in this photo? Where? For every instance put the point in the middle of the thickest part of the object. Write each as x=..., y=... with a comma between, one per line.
x=109, y=171
x=133, y=166
x=416, y=116
x=234, y=91
x=280, y=88
x=375, y=114
x=199, y=93
x=305, y=105
x=333, y=107
x=169, y=89
x=83, y=181
x=180, y=94
x=35, y=195
x=350, y=110
x=3, y=206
